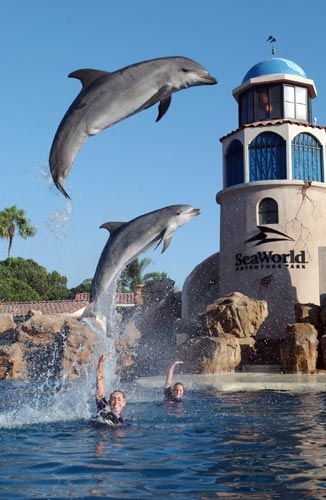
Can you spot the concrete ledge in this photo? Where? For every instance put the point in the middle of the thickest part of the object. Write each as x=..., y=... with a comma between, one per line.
x=261, y=369
x=244, y=382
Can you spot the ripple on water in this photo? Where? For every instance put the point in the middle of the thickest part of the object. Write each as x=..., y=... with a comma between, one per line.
x=239, y=445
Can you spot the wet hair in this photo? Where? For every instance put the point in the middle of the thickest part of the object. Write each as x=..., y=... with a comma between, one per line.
x=178, y=383
x=118, y=391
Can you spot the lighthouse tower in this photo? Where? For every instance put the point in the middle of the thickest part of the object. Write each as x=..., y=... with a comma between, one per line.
x=273, y=201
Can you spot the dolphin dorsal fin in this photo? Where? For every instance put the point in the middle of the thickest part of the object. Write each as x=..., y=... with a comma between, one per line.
x=111, y=226
x=88, y=76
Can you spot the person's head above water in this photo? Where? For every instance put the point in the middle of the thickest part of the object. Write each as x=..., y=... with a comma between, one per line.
x=117, y=402
x=178, y=390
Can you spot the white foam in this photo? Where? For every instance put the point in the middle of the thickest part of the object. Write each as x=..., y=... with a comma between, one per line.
x=245, y=381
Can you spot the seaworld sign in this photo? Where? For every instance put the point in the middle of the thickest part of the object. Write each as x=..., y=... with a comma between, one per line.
x=270, y=259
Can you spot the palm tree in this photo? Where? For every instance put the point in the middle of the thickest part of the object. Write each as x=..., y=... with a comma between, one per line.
x=133, y=275
x=11, y=220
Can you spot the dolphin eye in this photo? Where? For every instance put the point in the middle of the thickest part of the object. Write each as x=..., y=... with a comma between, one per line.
x=179, y=212
x=185, y=70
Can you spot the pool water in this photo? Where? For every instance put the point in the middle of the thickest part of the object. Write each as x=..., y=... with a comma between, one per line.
x=262, y=444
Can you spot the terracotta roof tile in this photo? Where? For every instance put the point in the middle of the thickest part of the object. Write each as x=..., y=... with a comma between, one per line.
x=80, y=301
x=272, y=122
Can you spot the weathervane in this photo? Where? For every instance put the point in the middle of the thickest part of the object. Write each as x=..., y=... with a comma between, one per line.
x=272, y=40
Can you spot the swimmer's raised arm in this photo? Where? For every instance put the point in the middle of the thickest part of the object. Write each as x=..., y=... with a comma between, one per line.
x=100, y=379
x=170, y=372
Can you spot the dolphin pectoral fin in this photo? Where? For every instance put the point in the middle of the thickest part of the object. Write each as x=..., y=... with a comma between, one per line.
x=166, y=238
x=88, y=76
x=162, y=94
x=166, y=242
x=163, y=107
x=111, y=226
x=159, y=240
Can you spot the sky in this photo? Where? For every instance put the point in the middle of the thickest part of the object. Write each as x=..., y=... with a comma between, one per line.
x=137, y=165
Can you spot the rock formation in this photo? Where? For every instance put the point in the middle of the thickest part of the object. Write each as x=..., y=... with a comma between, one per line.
x=226, y=335
x=299, y=349
x=315, y=315
x=222, y=338
x=44, y=346
x=236, y=314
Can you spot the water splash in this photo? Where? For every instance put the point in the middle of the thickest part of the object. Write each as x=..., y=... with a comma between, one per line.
x=52, y=397
x=57, y=221
x=43, y=175
x=103, y=319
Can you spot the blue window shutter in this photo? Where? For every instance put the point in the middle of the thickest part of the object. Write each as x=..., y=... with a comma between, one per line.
x=234, y=164
x=307, y=161
x=267, y=157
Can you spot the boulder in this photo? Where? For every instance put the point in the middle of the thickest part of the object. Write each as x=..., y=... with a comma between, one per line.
x=308, y=313
x=39, y=330
x=236, y=314
x=55, y=343
x=248, y=350
x=323, y=316
x=8, y=333
x=322, y=346
x=77, y=349
x=211, y=354
x=298, y=351
x=6, y=323
x=12, y=362
x=127, y=341
x=33, y=312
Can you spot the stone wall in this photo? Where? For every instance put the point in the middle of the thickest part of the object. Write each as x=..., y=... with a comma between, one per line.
x=44, y=346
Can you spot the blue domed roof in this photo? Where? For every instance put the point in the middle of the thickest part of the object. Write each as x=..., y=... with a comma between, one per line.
x=274, y=66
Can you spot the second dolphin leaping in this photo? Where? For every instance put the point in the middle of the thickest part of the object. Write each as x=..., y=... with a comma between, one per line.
x=128, y=240
x=107, y=98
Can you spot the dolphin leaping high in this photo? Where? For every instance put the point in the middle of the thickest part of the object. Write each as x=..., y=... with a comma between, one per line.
x=107, y=98
x=128, y=240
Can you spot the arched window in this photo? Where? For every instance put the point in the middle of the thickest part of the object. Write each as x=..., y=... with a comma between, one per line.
x=268, y=211
x=234, y=164
x=307, y=163
x=267, y=157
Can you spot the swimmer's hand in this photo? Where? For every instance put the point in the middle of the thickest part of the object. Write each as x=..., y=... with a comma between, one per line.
x=104, y=357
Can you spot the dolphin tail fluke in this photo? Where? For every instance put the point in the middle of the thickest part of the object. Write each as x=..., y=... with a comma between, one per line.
x=61, y=189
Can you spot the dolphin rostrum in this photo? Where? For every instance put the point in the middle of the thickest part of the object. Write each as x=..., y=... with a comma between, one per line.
x=128, y=240
x=107, y=98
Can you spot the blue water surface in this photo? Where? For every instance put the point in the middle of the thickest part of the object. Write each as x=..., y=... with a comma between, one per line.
x=216, y=445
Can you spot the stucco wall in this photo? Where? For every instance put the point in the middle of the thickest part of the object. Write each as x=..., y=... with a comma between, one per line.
x=201, y=287
x=282, y=272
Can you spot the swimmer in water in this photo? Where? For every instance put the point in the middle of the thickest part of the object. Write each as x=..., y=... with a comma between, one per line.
x=108, y=412
x=175, y=393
